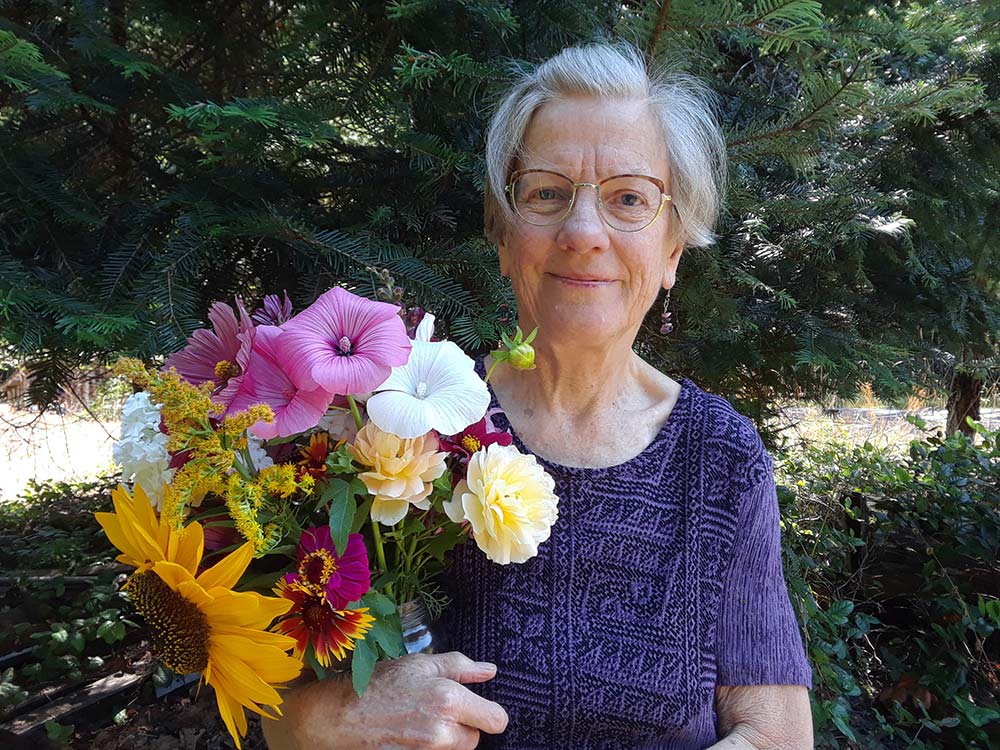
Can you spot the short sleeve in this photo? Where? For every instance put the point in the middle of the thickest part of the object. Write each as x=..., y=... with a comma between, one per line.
x=758, y=641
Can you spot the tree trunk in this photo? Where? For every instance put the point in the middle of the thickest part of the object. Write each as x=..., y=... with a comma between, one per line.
x=963, y=401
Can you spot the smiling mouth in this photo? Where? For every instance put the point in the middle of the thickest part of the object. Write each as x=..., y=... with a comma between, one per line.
x=581, y=281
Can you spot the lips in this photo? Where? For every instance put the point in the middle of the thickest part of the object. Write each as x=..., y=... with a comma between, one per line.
x=580, y=279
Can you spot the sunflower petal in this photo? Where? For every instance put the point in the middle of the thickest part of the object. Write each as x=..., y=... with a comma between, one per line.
x=187, y=547
x=236, y=676
x=131, y=555
x=245, y=609
x=231, y=711
x=271, y=665
x=228, y=570
x=259, y=637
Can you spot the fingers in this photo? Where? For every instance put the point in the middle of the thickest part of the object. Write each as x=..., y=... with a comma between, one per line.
x=475, y=711
x=464, y=738
x=456, y=666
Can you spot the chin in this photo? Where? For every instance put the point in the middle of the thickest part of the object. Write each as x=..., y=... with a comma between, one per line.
x=567, y=322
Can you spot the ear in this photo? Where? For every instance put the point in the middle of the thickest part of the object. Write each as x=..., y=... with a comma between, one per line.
x=670, y=268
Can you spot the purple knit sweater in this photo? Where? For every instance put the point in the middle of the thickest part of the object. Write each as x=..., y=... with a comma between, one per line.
x=662, y=580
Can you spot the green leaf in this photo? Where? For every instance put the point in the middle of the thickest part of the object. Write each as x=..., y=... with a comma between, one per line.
x=362, y=665
x=313, y=662
x=378, y=603
x=77, y=642
x=58, y=732
x=362, y=514
x=340, y=494
x=341, y=461
x=387, y=632
x=446, y=541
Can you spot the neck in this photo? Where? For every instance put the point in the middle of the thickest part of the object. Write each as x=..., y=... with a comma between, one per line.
x=573, y=379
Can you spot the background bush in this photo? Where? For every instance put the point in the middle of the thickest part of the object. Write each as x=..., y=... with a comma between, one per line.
x=893, y=561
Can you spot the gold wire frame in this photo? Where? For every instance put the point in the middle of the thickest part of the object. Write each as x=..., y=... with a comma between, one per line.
x=509, y=189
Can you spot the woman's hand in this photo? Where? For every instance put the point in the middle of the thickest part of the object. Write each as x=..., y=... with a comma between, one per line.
x=415, y=701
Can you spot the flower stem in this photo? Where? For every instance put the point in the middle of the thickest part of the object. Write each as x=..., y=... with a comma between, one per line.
x=380, y=554
x=376, y=533
x=490, y=371
x=354, y=411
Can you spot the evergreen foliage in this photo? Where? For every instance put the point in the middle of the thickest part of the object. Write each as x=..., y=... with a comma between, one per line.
x=156, y=156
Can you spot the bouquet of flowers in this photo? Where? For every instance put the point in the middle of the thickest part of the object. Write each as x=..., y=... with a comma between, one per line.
x=296, y=479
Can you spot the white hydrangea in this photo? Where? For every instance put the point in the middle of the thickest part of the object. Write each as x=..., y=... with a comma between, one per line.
x=142, y=449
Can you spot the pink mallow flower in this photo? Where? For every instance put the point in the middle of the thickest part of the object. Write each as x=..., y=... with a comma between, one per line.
x=344, y=343
x=339, y=579
x=296, y=407
x=213, y=355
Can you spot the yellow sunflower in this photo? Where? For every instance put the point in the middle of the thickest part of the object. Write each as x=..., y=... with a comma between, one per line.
x=197, y=622
x=143, y=540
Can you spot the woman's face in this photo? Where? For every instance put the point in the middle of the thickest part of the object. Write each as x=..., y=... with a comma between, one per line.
x=583, y=278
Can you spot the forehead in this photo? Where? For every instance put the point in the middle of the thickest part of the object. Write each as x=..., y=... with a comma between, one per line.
x=593, y=138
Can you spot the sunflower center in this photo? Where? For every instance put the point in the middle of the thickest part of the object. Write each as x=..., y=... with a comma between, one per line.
x=344, y=346
x=421, y=390
x=179, y=629
x=224, y=369
x=471, y=443
x=317, y=567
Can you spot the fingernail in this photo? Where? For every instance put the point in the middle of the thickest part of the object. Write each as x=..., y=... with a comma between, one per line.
x=487, y=666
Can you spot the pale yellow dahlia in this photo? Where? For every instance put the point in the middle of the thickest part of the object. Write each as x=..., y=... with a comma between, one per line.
x=509, y=500
x=400, y=470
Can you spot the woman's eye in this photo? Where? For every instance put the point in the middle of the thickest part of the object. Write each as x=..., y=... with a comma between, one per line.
x=547, y=194
x=630, y=200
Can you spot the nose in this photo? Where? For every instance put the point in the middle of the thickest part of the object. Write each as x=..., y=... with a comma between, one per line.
x=584, y=229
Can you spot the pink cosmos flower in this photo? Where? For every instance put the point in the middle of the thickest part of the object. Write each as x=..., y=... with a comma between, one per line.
x=344, y=343
x=337, y=579
x=212, y=355
x=265, y=381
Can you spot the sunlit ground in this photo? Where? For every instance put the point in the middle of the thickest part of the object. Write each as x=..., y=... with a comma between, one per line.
x=75, y=446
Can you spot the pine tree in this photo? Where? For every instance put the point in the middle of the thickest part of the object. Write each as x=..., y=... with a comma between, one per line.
x=156, y=156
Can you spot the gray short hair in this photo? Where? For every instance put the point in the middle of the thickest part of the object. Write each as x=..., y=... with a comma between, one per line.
x=683, y=105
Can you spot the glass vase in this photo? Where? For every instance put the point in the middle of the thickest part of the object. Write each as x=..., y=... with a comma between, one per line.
x=420, y=634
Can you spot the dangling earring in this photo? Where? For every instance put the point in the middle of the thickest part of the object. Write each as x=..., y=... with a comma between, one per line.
x=667, y=327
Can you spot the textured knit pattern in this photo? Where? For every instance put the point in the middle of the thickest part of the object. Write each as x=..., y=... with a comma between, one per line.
x=662, y=579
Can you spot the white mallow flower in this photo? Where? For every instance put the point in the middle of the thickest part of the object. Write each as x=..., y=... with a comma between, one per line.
x=509, y=500
x=425, y=328
x=437, y=389
x=142, y=449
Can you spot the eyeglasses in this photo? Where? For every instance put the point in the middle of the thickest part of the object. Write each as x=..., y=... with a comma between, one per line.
x=626, y=202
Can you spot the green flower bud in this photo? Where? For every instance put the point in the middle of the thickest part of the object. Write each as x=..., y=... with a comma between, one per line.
x=522, y=357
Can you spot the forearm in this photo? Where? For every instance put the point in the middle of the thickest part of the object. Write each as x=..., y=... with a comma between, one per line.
x=746, y=738
x=763, y=717
x=733, y=741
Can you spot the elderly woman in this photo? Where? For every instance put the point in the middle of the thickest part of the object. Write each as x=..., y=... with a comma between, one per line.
x=656, y=615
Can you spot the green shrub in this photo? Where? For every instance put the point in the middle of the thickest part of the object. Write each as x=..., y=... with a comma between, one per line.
x=893, y=563
x=58, y=588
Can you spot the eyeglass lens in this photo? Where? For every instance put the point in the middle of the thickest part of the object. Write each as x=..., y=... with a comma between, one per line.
x=627, y=203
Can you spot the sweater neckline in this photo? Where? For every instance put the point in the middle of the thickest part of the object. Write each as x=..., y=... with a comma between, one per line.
x=673, y=421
